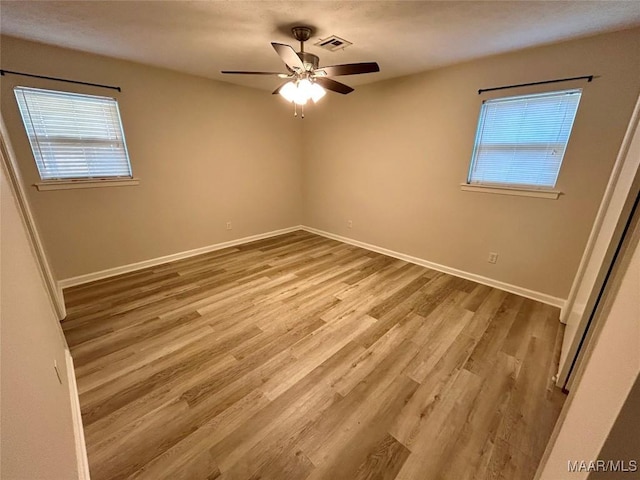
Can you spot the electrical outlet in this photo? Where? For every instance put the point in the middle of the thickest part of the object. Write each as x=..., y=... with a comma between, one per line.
x=493, y=257
x=228, y=225
x=350, y=224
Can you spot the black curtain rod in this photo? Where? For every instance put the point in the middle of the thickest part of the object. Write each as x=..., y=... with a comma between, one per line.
x=588, y=78
x=11, y=72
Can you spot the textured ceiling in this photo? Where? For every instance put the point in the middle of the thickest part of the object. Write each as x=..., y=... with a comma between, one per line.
x=204, y=37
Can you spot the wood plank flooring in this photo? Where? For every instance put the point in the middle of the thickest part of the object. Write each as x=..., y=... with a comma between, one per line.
x=299, y=357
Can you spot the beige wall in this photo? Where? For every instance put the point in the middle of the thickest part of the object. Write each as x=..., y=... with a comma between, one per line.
x=206, y=153
x=389, y=157
x=37, y=439
x=392, y=155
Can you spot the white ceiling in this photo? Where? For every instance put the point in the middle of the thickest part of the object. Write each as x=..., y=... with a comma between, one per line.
x=404, y=37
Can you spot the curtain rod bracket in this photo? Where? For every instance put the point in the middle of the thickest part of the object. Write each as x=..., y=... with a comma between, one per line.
x=588, y=78
x=44, y=77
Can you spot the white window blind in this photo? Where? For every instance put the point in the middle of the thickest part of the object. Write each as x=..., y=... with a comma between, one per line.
x=73, y=135
x=521, y=140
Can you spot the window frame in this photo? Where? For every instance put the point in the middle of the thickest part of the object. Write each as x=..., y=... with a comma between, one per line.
x=518, y=189
x=63, y=183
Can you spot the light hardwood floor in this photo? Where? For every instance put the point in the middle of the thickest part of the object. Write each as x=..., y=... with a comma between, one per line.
x=299, y=357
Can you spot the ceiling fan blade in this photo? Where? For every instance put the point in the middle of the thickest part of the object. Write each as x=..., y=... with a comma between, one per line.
x=277, y=90
x=241, y=72
x=288, y=56
x=333, y=85
x=350, y=69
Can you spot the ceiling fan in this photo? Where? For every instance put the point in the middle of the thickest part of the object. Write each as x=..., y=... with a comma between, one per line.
x=305, y=79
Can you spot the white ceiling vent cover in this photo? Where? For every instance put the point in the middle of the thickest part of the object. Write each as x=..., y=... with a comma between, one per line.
x=333, y=43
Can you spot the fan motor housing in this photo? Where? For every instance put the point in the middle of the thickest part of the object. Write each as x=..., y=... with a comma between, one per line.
x=310, y=60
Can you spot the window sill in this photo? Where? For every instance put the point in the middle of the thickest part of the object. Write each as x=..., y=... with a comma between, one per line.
x=89, y=183
x=521, y=192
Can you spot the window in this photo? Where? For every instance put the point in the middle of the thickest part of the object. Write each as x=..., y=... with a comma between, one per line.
x=521, y=140
x=74, y=136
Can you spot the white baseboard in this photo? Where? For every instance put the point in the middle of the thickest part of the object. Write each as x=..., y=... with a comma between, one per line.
x=524, y=292
x=132, y=267
x=76, y=415
x=563, y=315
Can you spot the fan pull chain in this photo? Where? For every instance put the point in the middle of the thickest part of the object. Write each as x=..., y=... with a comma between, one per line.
x=295, y=110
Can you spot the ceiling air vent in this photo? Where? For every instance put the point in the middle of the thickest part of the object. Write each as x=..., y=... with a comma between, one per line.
x=333, y=43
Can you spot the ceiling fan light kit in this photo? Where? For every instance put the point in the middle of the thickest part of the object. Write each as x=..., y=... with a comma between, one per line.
x=301, y=91
x=305, y=79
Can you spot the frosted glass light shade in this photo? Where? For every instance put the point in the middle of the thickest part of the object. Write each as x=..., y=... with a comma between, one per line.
x=317, y=92
x=288, y=91
x=302, y=91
